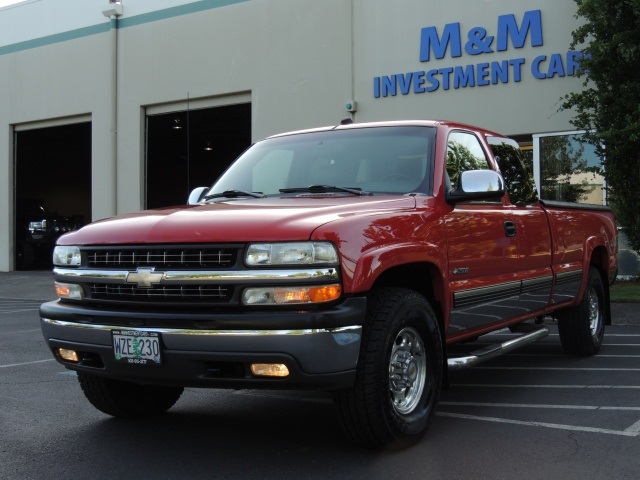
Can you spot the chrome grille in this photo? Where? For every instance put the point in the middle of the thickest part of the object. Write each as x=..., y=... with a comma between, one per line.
x=161, y=257
x=177, y=293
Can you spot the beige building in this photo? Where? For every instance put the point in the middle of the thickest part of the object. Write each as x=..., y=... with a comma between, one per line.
x=112, y=107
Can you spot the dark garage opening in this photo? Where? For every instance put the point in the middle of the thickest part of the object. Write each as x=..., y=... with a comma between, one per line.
x=52, y=189
x=192, y=148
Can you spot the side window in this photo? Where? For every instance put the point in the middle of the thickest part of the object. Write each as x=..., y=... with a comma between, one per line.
x=464, y=152
x=517, y=177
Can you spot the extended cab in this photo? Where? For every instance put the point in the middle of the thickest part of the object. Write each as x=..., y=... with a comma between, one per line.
x=346, y=259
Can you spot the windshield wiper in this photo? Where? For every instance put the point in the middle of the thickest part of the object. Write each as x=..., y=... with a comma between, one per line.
x=233, y=194
x=324, y=189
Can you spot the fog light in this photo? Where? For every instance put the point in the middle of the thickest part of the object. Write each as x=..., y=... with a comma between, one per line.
x=69, y=290
x=68, y=355
x=269, y=370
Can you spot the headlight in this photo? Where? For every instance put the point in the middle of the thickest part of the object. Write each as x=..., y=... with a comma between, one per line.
x=298, y=253
x=41, y=225
x=66, y=256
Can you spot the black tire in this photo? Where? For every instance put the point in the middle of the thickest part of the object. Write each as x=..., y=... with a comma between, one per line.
x=581, y=328
x=399, y=372
x=126, y=399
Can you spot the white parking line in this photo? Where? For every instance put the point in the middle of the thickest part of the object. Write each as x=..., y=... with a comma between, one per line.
x=634, y=428
x=558, y=355
x=632, y=431
x=13, y=302
x=494, y=385
x=606, y=335
x=26, y=363
x=565, y=369
x=23, y=331
x=539, y=406
x=19, y=311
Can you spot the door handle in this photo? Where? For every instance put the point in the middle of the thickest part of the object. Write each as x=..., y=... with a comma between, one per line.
x=510, y=229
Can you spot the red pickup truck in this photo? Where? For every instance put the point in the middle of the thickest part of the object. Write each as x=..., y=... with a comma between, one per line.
x=345, y=259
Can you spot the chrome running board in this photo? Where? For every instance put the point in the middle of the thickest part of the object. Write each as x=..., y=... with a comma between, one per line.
x=492, y=351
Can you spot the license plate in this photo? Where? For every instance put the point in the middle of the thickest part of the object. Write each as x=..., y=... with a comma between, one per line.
x=136, y=347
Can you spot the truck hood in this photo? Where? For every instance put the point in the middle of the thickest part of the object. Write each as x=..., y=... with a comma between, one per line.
x=234, y=220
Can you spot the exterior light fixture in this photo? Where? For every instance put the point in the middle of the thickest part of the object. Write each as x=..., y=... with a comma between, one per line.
x=114, y=9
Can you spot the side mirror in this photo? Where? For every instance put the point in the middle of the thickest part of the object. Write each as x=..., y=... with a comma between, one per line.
x=477, y=185
x=196, y=195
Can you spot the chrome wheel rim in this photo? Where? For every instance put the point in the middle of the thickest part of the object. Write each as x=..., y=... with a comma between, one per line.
x=594, y=313
x=407, y=370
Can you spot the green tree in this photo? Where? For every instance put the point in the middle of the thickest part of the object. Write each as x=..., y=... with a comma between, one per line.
x=608, y=107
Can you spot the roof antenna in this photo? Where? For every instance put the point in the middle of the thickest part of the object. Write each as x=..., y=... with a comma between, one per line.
x=346, y=121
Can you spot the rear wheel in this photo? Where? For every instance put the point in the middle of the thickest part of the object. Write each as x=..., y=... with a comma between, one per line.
x=399, y=373
x=126, y=399
x=581, y=328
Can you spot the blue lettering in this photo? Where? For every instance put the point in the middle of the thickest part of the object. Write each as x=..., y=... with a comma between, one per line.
x=482, y=74
x=435, y=83
x=535, y=67
x=405, y=82
x=500, y=72
x=508, y=28
x=517, y=63
x=556, y=66
x=573, y=62
x=418, y=82
x=446, y=75
x=463, y=78
x=376, y=87
x=429, y=40
x=478, y=42
x=389, y=86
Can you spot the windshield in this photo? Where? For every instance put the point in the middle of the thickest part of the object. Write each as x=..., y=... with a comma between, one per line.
x=374, y=159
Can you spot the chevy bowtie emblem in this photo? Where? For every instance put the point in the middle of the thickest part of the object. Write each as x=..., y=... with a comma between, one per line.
x=144, y=277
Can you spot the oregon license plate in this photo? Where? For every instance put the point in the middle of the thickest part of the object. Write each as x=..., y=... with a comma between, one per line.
x=136, y=347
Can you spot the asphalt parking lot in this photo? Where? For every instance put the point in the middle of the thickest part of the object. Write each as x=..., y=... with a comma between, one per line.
x=533, y=413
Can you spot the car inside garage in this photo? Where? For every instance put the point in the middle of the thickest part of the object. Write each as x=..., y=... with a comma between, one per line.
x=52, y=188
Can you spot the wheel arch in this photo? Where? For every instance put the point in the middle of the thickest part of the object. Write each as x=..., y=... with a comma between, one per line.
x=422, y=277
x=432, y=286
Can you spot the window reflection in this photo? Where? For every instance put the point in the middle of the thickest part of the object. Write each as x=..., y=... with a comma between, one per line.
x=464, y=153
x=570, y=170
x=517, y=176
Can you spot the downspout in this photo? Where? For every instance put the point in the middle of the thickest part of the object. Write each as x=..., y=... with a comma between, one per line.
x=354, y=105
x=113, y=12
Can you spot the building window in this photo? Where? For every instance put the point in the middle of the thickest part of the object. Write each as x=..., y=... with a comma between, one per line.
x=188, y=149
x=568, y=169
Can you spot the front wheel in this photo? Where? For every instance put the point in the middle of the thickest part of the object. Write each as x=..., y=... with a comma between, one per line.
x=126, y=399
x=581, y=328
x=399, y=373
